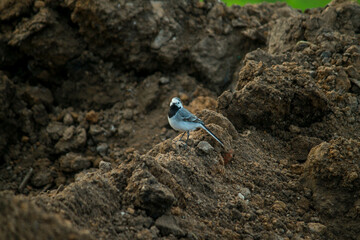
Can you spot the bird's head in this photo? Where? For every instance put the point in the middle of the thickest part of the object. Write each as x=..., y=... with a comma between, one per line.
x=176, y=101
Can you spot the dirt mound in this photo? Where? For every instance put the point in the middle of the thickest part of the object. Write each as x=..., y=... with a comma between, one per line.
x=332, y=173
x=86, y=150
x=23, y=219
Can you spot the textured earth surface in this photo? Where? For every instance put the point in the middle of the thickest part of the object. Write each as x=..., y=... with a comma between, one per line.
x=86, y=150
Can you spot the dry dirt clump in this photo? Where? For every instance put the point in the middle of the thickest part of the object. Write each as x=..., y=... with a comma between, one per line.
x=23, y=219
x=332, y=173
x=87, y=152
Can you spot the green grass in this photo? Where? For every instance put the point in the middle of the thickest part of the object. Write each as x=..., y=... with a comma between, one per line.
x=299, y=4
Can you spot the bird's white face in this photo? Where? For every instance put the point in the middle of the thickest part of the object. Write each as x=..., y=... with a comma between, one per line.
x=176, y=101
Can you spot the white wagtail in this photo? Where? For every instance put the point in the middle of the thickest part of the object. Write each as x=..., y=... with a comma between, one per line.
x=181, y=119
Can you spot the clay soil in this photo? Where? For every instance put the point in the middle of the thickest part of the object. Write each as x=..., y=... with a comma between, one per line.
x=87, y=152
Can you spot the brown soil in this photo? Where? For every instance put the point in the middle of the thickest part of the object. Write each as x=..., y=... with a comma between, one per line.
x=87, y=152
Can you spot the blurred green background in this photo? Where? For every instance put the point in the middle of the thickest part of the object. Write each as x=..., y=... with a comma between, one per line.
x=299, y=4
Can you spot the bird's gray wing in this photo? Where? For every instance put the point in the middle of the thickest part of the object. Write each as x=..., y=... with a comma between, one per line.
x=187, y=116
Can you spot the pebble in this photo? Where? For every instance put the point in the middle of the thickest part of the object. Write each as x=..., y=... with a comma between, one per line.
x=102, y=148
x=245, y=192
x=241, y=196
x=301, y=45
x=68, y=119
x=41, y=178
x=25, y=139
x=39, y=4
x=205, y=147
x=130, y=210
x=68, y=133
x=72, y=139
x=168, y=225
x=105, y=166
x=279, y=206
x=95, y=130
x=55, y=130
x=164, y=80
x=316, y=227
x=72, y=162
x=92, y=116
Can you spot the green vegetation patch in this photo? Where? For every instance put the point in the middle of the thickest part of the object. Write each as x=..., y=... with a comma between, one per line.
x=299, y=4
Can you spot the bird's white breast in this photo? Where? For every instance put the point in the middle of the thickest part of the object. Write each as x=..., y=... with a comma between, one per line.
x=182, y=125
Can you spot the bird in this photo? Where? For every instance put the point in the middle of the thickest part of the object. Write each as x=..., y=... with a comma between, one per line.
x=182, y=119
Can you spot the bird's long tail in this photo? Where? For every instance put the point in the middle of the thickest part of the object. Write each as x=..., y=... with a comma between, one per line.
x=213, y=135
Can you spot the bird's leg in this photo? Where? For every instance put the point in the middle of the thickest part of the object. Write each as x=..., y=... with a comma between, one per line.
x=182, y=136
x=187, y=137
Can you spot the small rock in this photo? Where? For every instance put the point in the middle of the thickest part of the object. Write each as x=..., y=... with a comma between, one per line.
x=92, y=116
x=279, y=206
x=105, y=166
x=245, y=192
x=72, y=139
x=25, y=139
x=301, y=45
x=205, y=147
x=39, y=4
x=316, y=227
x=147, y=193
x=176, y=211
x=41, y=178
x=164, y=80
x=130, y=210
x=72, y=162
x=241, y=196
x=68, y=119
x=162, y=37
x=98, y=133
x=55, y=130
x=102, y=149
x=95, y=130
x=68, y=133
x=167, y=225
